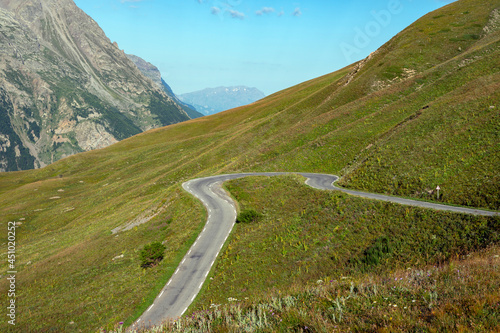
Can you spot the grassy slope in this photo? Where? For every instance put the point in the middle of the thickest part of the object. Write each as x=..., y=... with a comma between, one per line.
x=307, y=235
x=372, y=127
x=454, y=142
x=294, y=267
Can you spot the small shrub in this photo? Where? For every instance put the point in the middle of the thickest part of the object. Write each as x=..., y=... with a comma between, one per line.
x=373, y=254
x=248, y=215
x=152, y=254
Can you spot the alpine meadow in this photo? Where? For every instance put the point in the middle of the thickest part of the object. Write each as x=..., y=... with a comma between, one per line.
x=419, y=113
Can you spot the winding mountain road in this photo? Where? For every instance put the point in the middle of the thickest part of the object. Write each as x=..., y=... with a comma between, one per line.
x=189, y=277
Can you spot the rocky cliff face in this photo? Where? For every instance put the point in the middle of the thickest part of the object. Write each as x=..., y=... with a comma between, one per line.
x=65, y=88
x=152, y=72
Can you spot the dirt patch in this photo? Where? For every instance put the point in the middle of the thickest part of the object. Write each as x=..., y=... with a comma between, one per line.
x=145, y=217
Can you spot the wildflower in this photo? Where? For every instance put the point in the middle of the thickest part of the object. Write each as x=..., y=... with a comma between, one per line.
x=413, y=301
x=395, y=305
x=121, y=322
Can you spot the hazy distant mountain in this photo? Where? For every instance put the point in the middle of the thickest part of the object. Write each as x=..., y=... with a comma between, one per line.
x=213, y=100
x=65, y=88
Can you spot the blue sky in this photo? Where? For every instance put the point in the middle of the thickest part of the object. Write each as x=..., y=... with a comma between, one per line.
x=267, y=44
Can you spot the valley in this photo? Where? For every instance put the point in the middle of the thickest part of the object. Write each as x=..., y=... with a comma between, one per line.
x=420, y=112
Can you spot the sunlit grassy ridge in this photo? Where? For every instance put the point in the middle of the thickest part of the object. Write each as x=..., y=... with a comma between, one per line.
x=368, y=122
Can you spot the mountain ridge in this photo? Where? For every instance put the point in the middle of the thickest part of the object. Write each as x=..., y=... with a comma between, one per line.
x=213, y=100
x=152, y=72
x=66, y=88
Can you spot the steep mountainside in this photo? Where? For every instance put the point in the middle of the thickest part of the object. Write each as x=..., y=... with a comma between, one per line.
x=212, y=100
x=65, y=88
x=152, y=72
x=421, y=111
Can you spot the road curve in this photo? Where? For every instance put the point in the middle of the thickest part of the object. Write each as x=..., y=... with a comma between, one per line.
x=189, y=277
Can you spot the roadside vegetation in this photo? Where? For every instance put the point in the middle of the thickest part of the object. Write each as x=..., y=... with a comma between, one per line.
x=420, y=112
x=247, y=216
x=152, y=254
x=328, y=262
x=460, y=296
x=307, y=235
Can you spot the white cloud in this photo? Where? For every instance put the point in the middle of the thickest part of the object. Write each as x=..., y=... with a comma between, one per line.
x=265, y=10
x=236, y=14
x=123, y=1
x=215, y=10
x=281, y=13
x=297, y=12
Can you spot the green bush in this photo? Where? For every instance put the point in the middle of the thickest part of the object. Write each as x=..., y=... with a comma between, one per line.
x=152, y=254
x=373, y=254
x=248, y=215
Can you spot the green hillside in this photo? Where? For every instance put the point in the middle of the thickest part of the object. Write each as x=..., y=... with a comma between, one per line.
x=422, y=111
x=330, y=262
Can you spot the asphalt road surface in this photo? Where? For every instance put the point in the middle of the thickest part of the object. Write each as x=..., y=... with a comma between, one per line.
x=189, y=277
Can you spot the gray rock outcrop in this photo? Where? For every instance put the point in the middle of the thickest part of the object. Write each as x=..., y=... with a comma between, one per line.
x=65, y=88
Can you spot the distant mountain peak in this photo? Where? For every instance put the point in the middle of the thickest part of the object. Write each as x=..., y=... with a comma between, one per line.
x=212, y=100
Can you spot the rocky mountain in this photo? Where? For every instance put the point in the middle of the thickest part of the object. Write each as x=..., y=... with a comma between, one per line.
x=65, y=88
x=147, y=68
x=152, y=72
x=213, y=100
